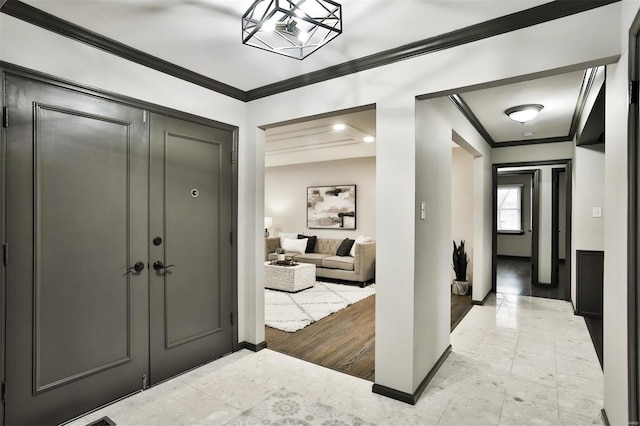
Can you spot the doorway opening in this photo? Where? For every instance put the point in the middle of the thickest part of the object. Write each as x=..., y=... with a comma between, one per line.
x=532, y=206
x=320, y=185
x=463, y=188
x=517, y=215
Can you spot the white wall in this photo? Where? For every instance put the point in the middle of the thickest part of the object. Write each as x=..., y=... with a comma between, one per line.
x=285, y=192
x=515, y=244
x=588, y=192
x=400, y=335
x=544, y=230
x=615, y=229
x=38, y=49
x=438, y=124
x=525, y=51
x=539, y=152
x=458, y=129
x=395, y=233
x=433, y=243
x=462, y=214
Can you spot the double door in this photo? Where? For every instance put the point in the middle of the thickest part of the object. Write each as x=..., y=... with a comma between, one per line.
x=118, y=272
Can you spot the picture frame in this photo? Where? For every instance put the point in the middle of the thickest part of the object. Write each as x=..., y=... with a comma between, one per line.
x=331, y=207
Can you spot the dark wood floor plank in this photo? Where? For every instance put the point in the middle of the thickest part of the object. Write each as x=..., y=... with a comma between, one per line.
x=345, y=341
x=513, y=276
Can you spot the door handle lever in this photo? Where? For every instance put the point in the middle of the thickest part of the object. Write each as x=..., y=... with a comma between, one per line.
x=159, y=265
x=138, y=267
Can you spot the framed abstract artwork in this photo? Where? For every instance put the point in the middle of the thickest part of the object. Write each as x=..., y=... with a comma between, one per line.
x=331, y=207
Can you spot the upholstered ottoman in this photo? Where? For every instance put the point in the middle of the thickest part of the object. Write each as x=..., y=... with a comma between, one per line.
x=289, y=278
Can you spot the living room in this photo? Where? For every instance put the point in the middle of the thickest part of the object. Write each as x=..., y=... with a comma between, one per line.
x=328, y=162
x=329, y=319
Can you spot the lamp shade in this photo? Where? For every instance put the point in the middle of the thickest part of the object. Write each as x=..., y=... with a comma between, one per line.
x=524, y=113
x=268, y=222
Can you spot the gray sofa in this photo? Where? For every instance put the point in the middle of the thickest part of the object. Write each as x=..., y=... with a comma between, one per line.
x=360, y=268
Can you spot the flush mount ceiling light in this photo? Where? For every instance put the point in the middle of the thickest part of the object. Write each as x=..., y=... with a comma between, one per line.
x=524, y=113
x=339, y=127
x=294, y=28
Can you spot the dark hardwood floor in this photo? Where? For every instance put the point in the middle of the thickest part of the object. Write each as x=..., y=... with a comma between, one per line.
x=513, y=276
x=460, y=306
x=345, y=341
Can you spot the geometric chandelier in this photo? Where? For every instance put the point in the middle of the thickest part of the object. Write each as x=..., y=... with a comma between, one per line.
x=294, y=28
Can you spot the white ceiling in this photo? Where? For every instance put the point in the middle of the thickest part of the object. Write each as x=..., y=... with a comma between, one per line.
x=558, y=94
x=317, y=140
x=205, y=35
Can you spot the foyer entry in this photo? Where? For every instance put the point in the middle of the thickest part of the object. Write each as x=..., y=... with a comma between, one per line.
x=119, y=263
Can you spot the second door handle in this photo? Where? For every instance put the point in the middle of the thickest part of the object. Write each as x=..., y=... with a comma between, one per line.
x=158, y=265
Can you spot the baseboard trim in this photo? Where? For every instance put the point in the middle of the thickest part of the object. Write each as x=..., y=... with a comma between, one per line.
x=508, y=256
x=605, y=419
x=407, y=397
x=253, y=346
x=483, y=301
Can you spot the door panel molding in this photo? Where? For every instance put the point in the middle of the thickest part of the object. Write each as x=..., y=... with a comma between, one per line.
x=40, y=382
x=216, y=327
x=56, y=334
x=188, y=157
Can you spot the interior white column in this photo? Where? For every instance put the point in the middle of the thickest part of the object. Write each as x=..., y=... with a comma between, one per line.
x=433, y=241
x=395, y=231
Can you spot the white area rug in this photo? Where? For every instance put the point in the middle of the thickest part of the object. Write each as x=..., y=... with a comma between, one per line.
x=294, y=311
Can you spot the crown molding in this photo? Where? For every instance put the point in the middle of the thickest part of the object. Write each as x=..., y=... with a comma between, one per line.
x=586, y=86
x=471, y=118
x=37, y=17
x=512, y=22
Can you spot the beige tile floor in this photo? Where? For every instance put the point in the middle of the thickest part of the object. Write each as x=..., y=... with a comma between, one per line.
x=517, y=360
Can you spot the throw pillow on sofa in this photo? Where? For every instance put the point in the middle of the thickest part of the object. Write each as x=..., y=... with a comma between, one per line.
x=283, y=235
x=345, y=247
x=359, y=240
x=311, y=243
x=294, y=246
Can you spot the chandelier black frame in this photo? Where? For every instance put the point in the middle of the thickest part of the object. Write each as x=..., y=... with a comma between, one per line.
x=293, y=28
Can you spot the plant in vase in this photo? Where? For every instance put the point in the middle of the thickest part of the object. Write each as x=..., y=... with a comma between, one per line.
x=460, y=261
x=281, y=254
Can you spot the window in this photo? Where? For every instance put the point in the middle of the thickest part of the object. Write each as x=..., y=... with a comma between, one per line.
x=510, y=209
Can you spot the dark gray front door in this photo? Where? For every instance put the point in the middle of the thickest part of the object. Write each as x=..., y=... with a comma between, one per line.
x=76, y=220
x=190, y=224
x=87, y=193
